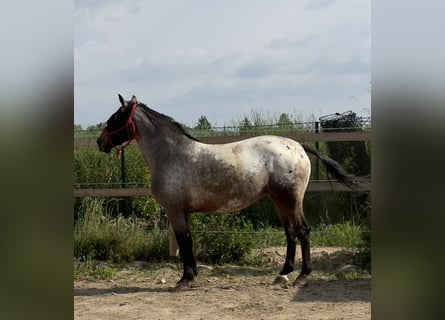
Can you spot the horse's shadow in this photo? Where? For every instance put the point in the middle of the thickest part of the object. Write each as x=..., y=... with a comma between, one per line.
x=334, y=291
x=88, y=292
x=338, y=290
x=316, y=291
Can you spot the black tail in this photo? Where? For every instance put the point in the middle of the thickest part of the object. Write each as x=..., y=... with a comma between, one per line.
x=334, y=168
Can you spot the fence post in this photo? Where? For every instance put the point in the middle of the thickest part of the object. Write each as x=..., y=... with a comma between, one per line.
x=126, y=207
x=122, y=168
x=317, y=147
x=172, y=244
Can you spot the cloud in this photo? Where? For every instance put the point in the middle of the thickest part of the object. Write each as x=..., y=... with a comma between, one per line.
x=184, y=56
x=319, y=4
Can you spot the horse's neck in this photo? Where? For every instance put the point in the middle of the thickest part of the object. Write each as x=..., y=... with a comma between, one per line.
x=159, y=149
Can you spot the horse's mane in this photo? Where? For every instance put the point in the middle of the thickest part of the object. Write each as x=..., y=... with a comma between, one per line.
x=165, y=121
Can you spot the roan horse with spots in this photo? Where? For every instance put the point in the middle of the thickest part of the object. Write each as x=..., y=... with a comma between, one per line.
x=191, y=176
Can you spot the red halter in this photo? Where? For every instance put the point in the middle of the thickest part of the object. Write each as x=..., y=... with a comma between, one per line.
x=131, y=132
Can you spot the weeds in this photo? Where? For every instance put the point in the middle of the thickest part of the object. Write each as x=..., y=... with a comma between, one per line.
x=337, y=235
x=94, y=270
x=218, y=239
x=98, y=236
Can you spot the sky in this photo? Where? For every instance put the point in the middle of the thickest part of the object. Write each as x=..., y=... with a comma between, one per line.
x=222, y=59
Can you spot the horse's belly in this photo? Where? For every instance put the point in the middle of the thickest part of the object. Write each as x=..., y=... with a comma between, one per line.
x=223, y=201
x=233, y=205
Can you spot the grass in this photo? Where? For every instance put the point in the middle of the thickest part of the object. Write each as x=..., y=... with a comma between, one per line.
x=325, y=235
x=217, y=239
x=104, y=244
x=93, y=270
x=337, y=235
x=101, y=237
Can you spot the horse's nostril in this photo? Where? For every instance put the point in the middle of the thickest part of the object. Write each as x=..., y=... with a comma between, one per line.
x=99, y=145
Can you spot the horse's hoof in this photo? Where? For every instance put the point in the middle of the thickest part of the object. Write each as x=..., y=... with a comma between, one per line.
x=300, y=282
x=280, y=280
x=184, y=284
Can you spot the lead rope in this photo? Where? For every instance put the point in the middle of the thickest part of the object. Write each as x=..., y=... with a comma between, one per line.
x=119, y=149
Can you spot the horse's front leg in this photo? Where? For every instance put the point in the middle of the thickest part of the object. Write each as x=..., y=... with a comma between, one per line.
x=184, y=239
x=185, y=244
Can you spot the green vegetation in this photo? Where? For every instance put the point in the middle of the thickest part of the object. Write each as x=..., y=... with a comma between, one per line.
x=134, y=228
x=99, y=236
x=338, y=235
x=94, y=270
x=218, y=239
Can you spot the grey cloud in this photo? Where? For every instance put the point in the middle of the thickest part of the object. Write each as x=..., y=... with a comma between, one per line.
x=185, y=68
x=284, y=57
x=172, y=60
x=319, y=4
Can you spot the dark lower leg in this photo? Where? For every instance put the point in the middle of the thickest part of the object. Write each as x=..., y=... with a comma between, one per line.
x=185, y=245
x=306, y=268
x=290, y=253
x=304, y=238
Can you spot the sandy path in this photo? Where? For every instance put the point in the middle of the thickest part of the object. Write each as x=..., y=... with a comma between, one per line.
x=219, y=293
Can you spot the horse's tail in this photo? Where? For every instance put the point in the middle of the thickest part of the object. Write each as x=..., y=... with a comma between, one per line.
x=334, y=168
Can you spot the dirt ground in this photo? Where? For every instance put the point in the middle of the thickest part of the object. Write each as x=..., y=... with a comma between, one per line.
x=143, y=291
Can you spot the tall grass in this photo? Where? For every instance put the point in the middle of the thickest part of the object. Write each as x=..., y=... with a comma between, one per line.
x=217, y=238
x=222, y=238
x=99, y=236
x=337, y=235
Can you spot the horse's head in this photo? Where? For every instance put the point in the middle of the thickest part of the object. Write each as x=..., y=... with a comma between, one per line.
x=120, y=126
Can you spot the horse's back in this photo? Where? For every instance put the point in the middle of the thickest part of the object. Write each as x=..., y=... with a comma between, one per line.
x=288, y=168
x=272, y=152
x=266, y=159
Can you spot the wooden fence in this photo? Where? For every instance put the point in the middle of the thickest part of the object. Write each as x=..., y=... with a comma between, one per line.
x=314, y=185
x=300, y=137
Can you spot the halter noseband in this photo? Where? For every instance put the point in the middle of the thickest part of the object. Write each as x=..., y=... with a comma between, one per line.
x=129, y=127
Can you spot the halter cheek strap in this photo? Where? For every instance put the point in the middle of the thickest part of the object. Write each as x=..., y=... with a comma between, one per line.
x=131, y=132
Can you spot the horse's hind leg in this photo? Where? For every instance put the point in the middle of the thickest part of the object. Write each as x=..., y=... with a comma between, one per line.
x=289, y=264
x=306, y=268
x=295, y=226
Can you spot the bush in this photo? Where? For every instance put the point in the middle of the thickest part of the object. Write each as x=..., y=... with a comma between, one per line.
x=363, y=256
x=221, y=239
x=218, y=239
x=99, y=236
x=262, y=214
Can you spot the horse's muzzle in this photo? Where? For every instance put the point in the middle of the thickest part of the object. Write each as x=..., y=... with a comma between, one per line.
x=103, y=144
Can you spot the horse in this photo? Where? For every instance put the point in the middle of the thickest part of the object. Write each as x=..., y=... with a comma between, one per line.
x=189, y=176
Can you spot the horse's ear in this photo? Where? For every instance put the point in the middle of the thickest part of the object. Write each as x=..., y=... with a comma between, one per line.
x=134, y=99
x=122, y=100
x=123, y=103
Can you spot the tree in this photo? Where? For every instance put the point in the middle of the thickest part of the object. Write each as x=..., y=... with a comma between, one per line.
x=284, y=121
x=245, y=126
x=203, y=123
x=98, y=126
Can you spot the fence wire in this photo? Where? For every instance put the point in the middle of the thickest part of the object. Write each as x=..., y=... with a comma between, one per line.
x=94, y=169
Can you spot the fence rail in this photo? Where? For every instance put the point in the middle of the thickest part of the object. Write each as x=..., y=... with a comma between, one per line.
x=314, y=186
x=300, y=137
